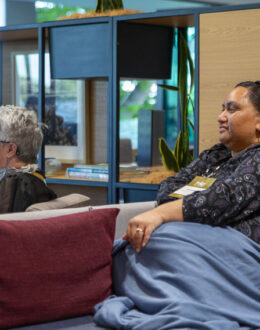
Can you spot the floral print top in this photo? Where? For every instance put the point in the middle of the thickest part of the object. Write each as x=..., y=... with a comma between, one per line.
x=233, y=199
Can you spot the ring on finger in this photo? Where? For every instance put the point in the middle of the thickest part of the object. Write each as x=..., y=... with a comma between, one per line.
x=139, y=230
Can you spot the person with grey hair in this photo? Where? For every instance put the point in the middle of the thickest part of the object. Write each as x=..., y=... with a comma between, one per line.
x=21, y=182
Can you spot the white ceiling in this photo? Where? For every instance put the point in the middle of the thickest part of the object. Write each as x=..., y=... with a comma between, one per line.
x=153, y=5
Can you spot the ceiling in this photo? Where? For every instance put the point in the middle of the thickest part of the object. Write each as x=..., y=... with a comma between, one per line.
x=153, y=5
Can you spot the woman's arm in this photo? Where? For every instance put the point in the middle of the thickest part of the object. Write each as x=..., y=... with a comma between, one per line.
x=171, y=209
x=148, y=221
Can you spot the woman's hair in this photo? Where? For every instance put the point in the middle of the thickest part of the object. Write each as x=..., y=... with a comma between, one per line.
x=253, y=92
x=20, y=126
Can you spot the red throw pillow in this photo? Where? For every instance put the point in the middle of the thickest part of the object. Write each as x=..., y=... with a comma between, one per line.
x=55, y=268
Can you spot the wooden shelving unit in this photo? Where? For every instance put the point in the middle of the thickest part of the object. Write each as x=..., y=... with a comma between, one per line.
x=137, y=46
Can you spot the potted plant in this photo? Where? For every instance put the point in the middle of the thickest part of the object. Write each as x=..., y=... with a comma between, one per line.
x=103, y=5
x=181, y=155
x=104, y=8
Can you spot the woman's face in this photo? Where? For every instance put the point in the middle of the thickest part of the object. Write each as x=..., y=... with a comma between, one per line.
x=239, y=121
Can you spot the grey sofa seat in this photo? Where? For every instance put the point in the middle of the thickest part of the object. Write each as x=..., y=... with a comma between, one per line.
x=77, y=323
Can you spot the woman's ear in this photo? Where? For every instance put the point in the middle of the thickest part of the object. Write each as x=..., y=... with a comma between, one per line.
x=258, y=123
x=12, y=149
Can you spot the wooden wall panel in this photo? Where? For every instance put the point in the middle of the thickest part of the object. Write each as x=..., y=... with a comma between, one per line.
x=229, y=53
x=98, y=120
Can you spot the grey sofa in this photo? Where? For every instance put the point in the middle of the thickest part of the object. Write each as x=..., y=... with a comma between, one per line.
x=127, y=211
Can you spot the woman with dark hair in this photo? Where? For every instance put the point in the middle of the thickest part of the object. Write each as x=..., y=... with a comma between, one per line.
x=233, y=198
x=193, y=262
x=21, y=182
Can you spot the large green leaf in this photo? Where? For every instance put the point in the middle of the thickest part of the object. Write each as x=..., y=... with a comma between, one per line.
x=183, y=73
x=168, y=157
x=192, y=74
x=191, y=125
x=188, y=158
x=103, y=5
x=169, y=87
x=178, y=149
x=183, y=156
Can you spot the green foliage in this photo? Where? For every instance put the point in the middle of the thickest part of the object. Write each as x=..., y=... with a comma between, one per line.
x=181, y=155
x=139, y=98
x=103, y=5
x=168, y=156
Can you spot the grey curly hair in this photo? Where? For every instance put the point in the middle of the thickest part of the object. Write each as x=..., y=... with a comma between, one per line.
x=20, y=126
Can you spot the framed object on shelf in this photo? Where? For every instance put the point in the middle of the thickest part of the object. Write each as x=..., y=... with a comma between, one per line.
x=65, y=107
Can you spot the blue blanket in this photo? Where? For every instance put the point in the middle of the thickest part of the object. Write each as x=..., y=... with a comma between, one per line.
x=189, y=276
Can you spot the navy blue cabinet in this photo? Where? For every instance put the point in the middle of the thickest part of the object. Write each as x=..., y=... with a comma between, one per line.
x=85, y=51
x=81, y=51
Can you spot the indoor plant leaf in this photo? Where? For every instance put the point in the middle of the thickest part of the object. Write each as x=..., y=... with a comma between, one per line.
x=168, y=157
x=103, y=5
x=192, y=126
x=168, y=87
x=178, y=149
x=192, y=74
x=183, y=72
x=183, y=155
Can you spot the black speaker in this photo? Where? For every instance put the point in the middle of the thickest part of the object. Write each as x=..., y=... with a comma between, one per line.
x=151, y=126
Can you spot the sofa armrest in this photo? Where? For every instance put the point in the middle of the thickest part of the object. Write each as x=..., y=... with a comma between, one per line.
x=64, y=202
x=127, y=211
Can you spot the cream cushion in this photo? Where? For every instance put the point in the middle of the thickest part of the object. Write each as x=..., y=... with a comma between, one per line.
x=68, y=201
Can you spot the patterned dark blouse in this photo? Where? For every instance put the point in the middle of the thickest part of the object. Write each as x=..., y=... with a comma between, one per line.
x=233, y=199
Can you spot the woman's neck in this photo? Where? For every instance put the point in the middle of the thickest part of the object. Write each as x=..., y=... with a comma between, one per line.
x=14, y=162
x=235, y=153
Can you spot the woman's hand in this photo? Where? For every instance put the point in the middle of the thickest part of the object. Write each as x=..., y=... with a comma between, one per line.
x=140, y=228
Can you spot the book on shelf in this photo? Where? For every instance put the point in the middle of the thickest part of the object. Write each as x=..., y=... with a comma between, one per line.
x=87, y=168
x=103, y=168
x=81, y=173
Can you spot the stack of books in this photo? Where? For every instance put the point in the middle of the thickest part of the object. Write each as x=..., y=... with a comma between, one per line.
x=99, y=172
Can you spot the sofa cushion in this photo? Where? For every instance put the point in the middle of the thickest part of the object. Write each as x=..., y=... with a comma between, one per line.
x=55, y=268
x=68, y=201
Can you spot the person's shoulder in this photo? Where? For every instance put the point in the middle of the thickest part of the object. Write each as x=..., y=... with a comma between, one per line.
x=12, y=179
x=253, y=151
x=12, y=175
x=218, y=147
x=24, y=177
x=216, y=153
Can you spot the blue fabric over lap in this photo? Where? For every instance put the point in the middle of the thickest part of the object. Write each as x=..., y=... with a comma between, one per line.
x=189, y=276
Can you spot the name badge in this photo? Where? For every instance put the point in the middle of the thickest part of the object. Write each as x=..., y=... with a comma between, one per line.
x=199, y=183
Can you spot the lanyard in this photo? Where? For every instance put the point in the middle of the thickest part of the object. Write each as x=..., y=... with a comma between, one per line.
x=213, y=172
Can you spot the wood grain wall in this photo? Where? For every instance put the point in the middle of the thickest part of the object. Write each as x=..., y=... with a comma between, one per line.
x=229, y=53
x=98, y=120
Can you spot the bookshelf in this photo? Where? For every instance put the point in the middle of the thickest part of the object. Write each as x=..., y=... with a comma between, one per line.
x=132, y=47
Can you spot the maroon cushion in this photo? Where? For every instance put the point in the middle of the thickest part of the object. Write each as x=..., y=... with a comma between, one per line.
x=55, y=268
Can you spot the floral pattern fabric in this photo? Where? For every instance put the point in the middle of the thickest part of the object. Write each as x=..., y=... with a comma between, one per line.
x=233, y=199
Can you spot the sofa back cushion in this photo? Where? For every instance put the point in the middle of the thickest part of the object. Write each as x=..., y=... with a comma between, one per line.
x=64, y=202
x=56, y=267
